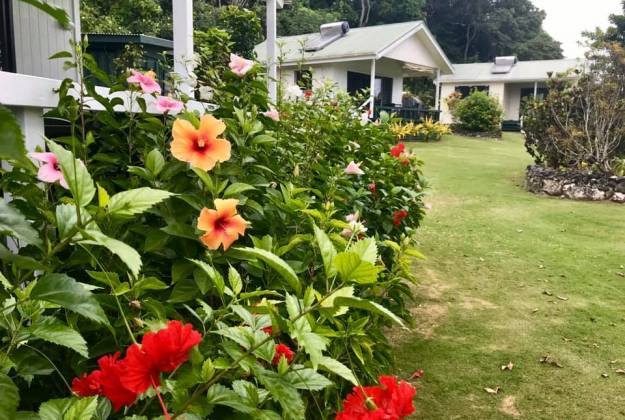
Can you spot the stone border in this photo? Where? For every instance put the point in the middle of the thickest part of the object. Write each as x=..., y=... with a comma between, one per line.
x=575, y=185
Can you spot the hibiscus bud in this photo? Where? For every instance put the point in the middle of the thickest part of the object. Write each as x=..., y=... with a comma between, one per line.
x=135, y=304
x=138, y=322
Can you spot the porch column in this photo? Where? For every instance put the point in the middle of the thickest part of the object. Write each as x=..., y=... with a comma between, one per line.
x=272, y=67
x=182, y=11
x=535, y=89
x=437, y=83
x=372, y=89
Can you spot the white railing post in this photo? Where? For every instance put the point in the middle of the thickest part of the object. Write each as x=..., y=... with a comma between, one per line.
x=272, y=65
x=437, y=83
x=372, y=87
x=182, y=11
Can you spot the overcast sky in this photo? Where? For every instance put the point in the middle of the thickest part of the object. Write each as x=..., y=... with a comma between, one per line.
x=567, y=19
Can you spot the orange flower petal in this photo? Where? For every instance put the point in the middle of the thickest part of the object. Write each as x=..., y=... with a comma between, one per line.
x=211, y=240
x=237, y=225
x=226, y=208
x=202, y=161
x=219, y=150
x=182, y=149
x=229, y=240
x=211, y=127
x=206, y=221
x=183, y=129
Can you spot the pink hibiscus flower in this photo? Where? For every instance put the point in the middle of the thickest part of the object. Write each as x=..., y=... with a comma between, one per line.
x=145, y=81
x=353, y=169
x=50, y=170
x=168, y=105
x=240, y=65
x=273, y=114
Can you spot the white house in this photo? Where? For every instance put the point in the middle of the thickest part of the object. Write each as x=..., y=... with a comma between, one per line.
x=374, y=57
x=506, y=79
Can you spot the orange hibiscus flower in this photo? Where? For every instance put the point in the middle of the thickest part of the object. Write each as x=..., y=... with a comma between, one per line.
x=223, y=225
x=200, y=147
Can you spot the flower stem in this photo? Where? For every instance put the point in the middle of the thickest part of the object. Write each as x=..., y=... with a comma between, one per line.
x=161, y=402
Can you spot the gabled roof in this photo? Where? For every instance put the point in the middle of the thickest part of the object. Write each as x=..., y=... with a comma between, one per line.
x=522, y=71
x=364, y=43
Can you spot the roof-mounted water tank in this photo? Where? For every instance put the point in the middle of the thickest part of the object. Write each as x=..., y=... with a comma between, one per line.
x=503, y=65
x=328, y=33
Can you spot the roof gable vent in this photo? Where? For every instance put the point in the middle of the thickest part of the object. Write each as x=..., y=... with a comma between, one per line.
x=503, y=65
x=328, y=33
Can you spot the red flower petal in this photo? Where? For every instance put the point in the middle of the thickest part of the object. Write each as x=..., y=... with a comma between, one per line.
x=283, y=350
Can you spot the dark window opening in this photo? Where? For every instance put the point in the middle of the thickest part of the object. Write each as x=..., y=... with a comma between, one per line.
x=304, y=79
x=467, y=90
x=541, y=93
x=7, y=48
x=383, y=88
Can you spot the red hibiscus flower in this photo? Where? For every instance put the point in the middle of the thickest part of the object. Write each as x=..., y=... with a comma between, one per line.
x=283, y=350
x=398, y=216
x=372, y=187
x=391, y=400
x=88, y=384
x=268, y=330
x=162, y=351
x=398, y=149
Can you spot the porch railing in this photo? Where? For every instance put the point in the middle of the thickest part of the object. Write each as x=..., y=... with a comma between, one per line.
x=411, y=114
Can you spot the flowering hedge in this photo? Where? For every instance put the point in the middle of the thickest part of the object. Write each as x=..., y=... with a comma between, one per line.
x=239, y=263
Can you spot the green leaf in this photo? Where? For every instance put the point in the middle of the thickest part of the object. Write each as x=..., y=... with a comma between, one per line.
x=60, y=54
x=338, y=368
x=415, y=253
x=66, y=218
x=16, y=225
x=329, y=301
x=11, y=139
x=234, y=278
x=55, y=331
x=213, y=274
x=351, y=267
x=236, y=189
x=75, y=173
x=9, y=397
x=220, y=395
x=307, y=379
x=65, y=291
x=328, y=252
x=103, y=196
x=155, y=162
x=5, y=282
x=128, y=203
x=284, y=393
x=277, y=263
x=125, y=252
x=354, y=302
x=264, y=139
x=57, y=13
x=82, y=409
x=54, y=409
x=365, y=249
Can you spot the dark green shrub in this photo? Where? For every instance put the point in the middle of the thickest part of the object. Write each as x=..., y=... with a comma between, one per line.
x=478, y=112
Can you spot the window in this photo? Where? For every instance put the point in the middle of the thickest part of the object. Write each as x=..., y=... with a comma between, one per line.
x=383, y=87
x=303, y=79
x=466, y=90
x=529, y=93
x=7, y=54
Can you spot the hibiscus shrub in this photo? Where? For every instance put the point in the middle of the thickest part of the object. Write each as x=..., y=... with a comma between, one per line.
x=237, y=264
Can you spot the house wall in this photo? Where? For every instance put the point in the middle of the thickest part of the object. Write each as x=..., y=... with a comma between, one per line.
x=38, y=36
x=337, y=74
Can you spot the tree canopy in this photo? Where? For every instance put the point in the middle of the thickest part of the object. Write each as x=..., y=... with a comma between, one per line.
x=468, y=30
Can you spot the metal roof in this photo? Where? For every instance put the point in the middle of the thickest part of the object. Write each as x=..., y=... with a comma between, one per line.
x=358, y=44
x=522, y=71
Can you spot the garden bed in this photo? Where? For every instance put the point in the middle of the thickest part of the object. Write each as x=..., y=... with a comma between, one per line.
x=494, y=134
x=575, y=185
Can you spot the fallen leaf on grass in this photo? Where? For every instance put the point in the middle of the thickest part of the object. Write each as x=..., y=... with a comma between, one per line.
x=417, y=374
x=562, y=298
x=509, y=366
x=550, y=360
x=492, y=391
x=535, y=310
x=604, y=375
x=619, y=273
x=547, y=292
x=620, y=371
x=566, y=340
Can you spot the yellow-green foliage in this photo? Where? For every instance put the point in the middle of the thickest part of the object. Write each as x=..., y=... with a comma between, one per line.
x=427, y=130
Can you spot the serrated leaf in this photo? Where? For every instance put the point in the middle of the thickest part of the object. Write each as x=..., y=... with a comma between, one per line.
x=103, y=196
x=220, y=395
x=338, y=368
x=354, y=302
x=82, y=409
x=16, y=225
x=366, y=249
x=351, y=267
x=328, y=252
x=55, y=331
x=213, y=274
x=138, y=200
x=65, y=291
x=66, y=219
x=125, y=252
x=9, y=397
x=278, y=264
x=234, y=279
x=4, y=282
x=54, y=409
x=155, y=162
x=76, y=174
x=284, y=393
x=11, y=139
x=347, y=291
x=307, y=379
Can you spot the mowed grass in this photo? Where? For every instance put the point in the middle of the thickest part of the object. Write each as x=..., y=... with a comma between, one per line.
x=513, y=277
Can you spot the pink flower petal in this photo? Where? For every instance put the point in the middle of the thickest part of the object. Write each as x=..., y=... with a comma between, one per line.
x=353, y=169
x=48, y=173
x=46, y=157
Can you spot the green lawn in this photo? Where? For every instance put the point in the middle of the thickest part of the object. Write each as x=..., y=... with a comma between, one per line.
x=512, y=277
